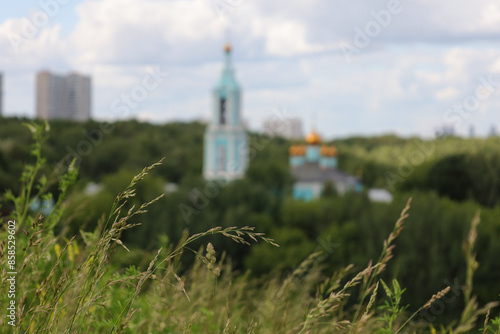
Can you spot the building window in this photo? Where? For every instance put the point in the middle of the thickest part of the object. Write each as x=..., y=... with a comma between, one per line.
x=222, y=111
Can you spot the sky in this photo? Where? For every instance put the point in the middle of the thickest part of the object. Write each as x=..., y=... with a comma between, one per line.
x=363, y=67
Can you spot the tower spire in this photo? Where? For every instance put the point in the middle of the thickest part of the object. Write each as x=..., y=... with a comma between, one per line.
x=313, y=138
x=228, y=40
x=227, y=52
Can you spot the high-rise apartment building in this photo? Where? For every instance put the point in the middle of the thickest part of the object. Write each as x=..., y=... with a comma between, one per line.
x=63, y=97
x=289, y=128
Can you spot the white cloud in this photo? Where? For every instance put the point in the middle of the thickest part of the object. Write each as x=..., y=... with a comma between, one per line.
x=495, y=66
x=286, y=54
x=135, y=31
x=447, y=93
x=490, y=17
x=288, y=39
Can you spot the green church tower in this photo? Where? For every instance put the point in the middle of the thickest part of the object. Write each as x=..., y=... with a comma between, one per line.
x=226, y=143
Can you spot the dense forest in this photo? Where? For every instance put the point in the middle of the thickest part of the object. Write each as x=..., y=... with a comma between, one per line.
x=449, y=180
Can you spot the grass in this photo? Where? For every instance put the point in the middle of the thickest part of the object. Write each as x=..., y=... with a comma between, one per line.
x=69, y=285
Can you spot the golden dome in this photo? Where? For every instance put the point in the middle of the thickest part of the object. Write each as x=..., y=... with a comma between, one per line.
x=313, y=138
x=227, y=48
x=297, y=150
x=329, y=151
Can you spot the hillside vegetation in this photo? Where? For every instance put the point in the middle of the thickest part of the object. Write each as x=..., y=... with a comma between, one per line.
x=80, y=255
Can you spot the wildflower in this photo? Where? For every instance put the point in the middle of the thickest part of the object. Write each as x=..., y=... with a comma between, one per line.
x=57, y=249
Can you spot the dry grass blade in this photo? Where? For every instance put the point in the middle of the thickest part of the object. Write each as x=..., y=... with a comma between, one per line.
x=437, y=296
x=385, y=256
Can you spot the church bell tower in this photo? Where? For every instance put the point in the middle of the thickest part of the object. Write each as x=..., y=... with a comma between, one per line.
x=226, y=144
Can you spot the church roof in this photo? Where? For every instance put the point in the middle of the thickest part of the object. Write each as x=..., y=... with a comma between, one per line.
x=313, y=138
x=311, y=172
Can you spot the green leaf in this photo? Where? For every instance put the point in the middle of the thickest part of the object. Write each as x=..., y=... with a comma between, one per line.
x=31, y=127
x=386, y=288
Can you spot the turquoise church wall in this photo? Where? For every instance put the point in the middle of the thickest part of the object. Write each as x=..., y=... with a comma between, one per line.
x=303, y=193
x=328, y=162
x=312, y=153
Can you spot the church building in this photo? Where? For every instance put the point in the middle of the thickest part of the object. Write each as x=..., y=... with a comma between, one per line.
x=226, y=143
x=314, y=165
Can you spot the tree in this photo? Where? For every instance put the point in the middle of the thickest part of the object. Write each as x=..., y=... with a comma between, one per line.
x=450, y=177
